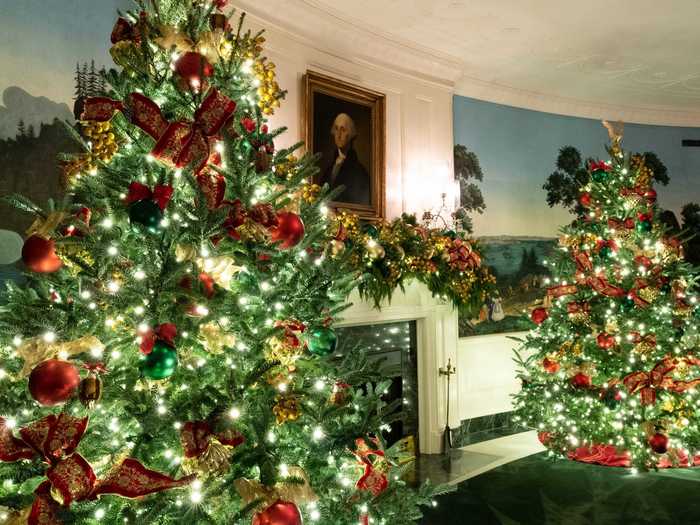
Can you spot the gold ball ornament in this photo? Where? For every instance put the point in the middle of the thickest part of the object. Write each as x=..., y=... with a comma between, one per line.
x=287, y=408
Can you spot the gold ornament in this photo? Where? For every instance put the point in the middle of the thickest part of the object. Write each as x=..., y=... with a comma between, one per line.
x=37, y=350
x=15, y=517
x=90, y=390
x=287, y=408
x=285, y=169
x=283, y=350
x=221, y=268
x=214, y=339
x=253, y=231
x=127, y=54
x=649, y=294
x=375, y=250
x=337, y=247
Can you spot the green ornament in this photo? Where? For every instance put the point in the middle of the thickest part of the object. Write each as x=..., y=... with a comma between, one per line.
x=371, y=230
x=322, y=341
x=147, y=213
x=451, y=234
x=160, y=363
x=627, y=303
x=605, y=252
x=599, y=176
x=643, y=226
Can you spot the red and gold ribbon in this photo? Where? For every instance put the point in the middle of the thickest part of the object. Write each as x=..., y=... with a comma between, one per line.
x=196, y=436
x=561, y=290
x=69, y=476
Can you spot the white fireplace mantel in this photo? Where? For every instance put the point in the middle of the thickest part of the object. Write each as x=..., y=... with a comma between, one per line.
x=437, y=342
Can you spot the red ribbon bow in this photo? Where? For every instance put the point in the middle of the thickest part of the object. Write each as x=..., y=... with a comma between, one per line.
x=619, y=224
x=599, y=165
x=178, y=144
x=648, y=382
x=583, y=262
x=603, y=287
x=561, y=290
x=607, y=455
x=647, y=216
x=373, y=479
x=69, y=475
x=575, y=307
x=125, y=30
x=165, y=332
x=633, y=294
x=161, y=194
x=196, y=437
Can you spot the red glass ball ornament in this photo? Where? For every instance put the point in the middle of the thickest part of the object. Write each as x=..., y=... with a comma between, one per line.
x=279, y=513
x=581, y=380
x=289, y=230
x=585, y=200
x=193, y=69
x=605, y=341
x=550, y=365
x=53, y=382
x=650, y=195
x=539, y=315
x=659, y=443
x=39, y=255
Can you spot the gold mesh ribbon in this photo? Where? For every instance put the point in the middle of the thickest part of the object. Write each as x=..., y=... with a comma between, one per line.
x=36, y=350
x=299, y=493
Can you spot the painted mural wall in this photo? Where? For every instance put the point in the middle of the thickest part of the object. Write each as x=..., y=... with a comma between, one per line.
x=517, y=150
x=42, y=42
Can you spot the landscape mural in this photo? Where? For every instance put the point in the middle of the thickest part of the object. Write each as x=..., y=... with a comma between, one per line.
x=516, y=196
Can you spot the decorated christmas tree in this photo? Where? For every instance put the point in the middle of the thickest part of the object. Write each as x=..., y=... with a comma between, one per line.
x=170, y=357
x=610, y=373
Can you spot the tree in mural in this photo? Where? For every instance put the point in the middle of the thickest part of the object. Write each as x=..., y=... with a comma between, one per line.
x=610, y=374
x=467, y=168
x=171, y=357
x=563, y=184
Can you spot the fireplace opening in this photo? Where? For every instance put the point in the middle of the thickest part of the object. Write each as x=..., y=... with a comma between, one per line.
x=393, y=346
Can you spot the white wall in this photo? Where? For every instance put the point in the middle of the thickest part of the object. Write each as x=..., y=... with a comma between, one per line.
x=418, y=111
x=486, y=374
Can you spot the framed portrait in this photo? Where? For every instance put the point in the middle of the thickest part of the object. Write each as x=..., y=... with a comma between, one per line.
x=345, y=126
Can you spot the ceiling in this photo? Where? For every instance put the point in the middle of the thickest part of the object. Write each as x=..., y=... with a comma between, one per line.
x=635, y=58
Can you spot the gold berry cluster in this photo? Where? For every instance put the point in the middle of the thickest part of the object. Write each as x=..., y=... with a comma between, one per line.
x=100, y=135
x=287, y=408
x=644, y=173
x=309, y=192
x=269, y=92
x=285, y=169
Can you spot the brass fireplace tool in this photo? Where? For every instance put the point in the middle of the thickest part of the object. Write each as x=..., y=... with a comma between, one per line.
x=448, y=371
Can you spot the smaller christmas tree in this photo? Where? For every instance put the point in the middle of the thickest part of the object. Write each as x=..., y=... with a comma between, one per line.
x=610, y=373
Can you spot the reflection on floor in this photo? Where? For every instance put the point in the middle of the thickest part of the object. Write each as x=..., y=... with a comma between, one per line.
x=522, y=488
x=466, y=462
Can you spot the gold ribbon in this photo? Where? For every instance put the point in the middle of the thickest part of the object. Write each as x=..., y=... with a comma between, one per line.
x=44, y=227
x=250, y=490
x=36, y=350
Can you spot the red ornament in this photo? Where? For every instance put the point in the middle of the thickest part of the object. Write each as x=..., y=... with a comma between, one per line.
x=192, y=70
x=248, y=124
x=585, y=200
x=39, y=255
x=659, y=443
x=650, y=195
x=581, y=380
x=289, y=230
x=53, y=382
x=279, y=513
x=550, y=365
x=539, y=315
x=544, y=437
x=605, y=341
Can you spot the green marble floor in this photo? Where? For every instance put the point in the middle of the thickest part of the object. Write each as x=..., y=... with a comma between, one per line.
x=537, y=491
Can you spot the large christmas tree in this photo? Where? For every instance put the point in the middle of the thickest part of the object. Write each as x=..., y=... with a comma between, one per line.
x=610, y=374
x=170, y=357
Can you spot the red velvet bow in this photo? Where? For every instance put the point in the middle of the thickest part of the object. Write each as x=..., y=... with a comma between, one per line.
x=83, y=215
x=583, y=262
x=99, y=367
x=124, y=30
x=179, y=143
x=291, y=330
x=196, y=436
x=610, y=243
x=646, y=216
x=165, y=332
x=69, y=475
x=161, y=194
x=640, y=191
x=599, y=165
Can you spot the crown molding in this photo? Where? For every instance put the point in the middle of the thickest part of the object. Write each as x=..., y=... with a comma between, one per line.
x=308, y=23
x=319, y=27
x=572, y=107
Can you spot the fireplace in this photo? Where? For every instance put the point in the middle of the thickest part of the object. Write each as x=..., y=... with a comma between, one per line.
x=432, y=328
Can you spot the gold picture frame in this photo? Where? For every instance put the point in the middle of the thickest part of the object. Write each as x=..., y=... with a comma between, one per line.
x=337, y=112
